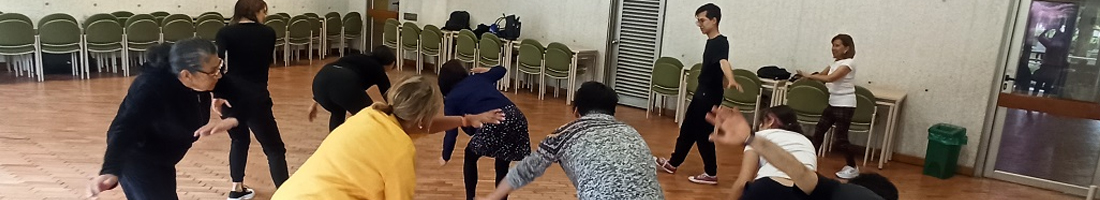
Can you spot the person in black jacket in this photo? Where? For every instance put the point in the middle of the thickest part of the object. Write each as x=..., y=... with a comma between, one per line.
x=247, y=45
x=163, y=112
x=340, y=86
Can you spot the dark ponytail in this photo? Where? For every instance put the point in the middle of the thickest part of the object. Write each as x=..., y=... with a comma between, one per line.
x=785, y=117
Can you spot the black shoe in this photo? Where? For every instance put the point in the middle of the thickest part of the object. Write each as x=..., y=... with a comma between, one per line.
x=246, y=195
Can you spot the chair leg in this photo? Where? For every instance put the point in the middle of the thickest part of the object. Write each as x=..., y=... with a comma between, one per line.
x=648, y=104
x=557, y=88
x=542, y=85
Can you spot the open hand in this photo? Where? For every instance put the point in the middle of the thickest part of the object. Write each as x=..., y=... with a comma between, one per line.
x=216, y=105
x=478, y=70
x=733, y=84
x=312, y=112
x=101, y=183
x=730, y=126
x=494, y=116
x=216, y=127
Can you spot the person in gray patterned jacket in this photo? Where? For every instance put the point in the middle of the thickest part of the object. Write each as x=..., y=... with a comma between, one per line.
x=603, y=157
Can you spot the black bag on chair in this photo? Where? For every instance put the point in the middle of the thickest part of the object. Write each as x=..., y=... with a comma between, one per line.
x=773, y=72
x=481, y=29
x=459, y=20
x=511, y=27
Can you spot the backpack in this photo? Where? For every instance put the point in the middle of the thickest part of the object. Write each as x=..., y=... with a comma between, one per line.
x=773, y=72
x=459, y=20
x=511, y=28
x=481, y=29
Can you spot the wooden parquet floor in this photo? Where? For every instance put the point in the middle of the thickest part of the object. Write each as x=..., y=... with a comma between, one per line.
x=52, y=138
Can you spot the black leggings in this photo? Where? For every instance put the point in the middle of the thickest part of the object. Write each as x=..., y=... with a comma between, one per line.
x=696, y=131
x=842, y=118
x=258, y=118
x=339, y=91
x=767, y=188
x=469, y=172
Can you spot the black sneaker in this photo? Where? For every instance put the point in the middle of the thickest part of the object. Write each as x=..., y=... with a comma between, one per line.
x=246, y=195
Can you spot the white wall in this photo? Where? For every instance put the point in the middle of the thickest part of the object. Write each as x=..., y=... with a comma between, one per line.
x=580, y=24
x=81, y=9
x=942, y=53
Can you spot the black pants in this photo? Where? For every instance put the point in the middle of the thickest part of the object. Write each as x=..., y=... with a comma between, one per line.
x=339, y=91
x=469, y=172
x=256, y=116
x=696, y=130
x=766, y=188
x=842, y=118
x=149, y=179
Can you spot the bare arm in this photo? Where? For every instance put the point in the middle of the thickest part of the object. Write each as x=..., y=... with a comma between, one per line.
x=727, y=72
x=840, y=72
x=749, y=168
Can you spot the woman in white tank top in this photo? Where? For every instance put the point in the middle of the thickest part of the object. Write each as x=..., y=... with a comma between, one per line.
x=758, y=176
x=839, y=77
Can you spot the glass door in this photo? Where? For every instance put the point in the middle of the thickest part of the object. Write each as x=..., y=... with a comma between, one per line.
x=1047, y=125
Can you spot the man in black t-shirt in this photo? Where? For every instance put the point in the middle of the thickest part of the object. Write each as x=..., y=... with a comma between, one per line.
x=716, y=69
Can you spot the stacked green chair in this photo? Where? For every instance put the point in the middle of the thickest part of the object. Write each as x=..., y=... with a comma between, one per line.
x=212, y=14
x=298, y=34
x=466, y=46
x=177, y=27
x=863, y=120
x=60, y=34
x=410, y=42
x=285, y=15
x=207, y=26
x=103, y=38
x=122, y=16
x=664, y=81
x=334, y=26
x=691, y=83
x=431, y=44
x=17, y=39
x=808, y=98
x=142, y=32
x=530, y=59
x=560, y=66
x=353, y=29
x=160, y=15
x=748, y=99
x=490, y=54
x=390, y=35
x=278, y=23
x=317, y=34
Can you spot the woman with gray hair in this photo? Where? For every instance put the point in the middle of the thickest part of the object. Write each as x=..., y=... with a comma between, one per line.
x=165, y=110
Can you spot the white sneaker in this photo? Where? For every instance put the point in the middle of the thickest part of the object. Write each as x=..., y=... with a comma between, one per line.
x=848, y=172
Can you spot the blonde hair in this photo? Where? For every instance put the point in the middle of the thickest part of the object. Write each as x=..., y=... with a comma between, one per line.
x=413, y=100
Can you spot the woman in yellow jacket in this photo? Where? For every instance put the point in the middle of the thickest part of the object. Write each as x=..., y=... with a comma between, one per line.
x=371, y=156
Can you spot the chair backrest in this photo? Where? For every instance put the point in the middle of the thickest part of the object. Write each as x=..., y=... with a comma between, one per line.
x=666, y=73
x=212, y=14
x=693, y=78
x=178, y=27
x=489, y=46
x=558, y=57
x=211, y=17
x=126, y=14
x=315, y=26
x=285, y=15
x=531, y=53
x=58, y=29
x=865, y=106
x=142, y=28
x=333, y=23
x=102, y=29
x=208, y=29
x=313, y=15
x=299, y=27
x=410, y=35
x=390, y=31
x=278, y=24
x=16, y=30
x=353, y=24
x=431, y=38
x=467, y=44
x=159, y=14
x=805, y=98
x=750, y=88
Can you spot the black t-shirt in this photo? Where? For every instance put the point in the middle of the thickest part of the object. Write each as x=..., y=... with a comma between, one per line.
x=717, y=49
x=249, y=46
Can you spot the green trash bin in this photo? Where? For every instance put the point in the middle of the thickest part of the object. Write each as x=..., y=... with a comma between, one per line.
x=942, y=156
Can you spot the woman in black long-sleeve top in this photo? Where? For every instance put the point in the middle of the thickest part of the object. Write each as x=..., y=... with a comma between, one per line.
x=340, y=87
x=163, y=112
x=247, y=45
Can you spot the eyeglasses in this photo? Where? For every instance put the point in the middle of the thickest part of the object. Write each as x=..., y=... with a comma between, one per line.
x=216, y=74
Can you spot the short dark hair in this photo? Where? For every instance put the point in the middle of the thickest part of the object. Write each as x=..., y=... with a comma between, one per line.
x=594, y=97
x=451, y=73
x=383, y=55
x=877, y=184
x=247, y=9
x=190, y=54
x=786, y=117
x=713, y=12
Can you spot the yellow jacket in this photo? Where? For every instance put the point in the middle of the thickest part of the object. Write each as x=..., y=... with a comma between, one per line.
x=368, y=157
